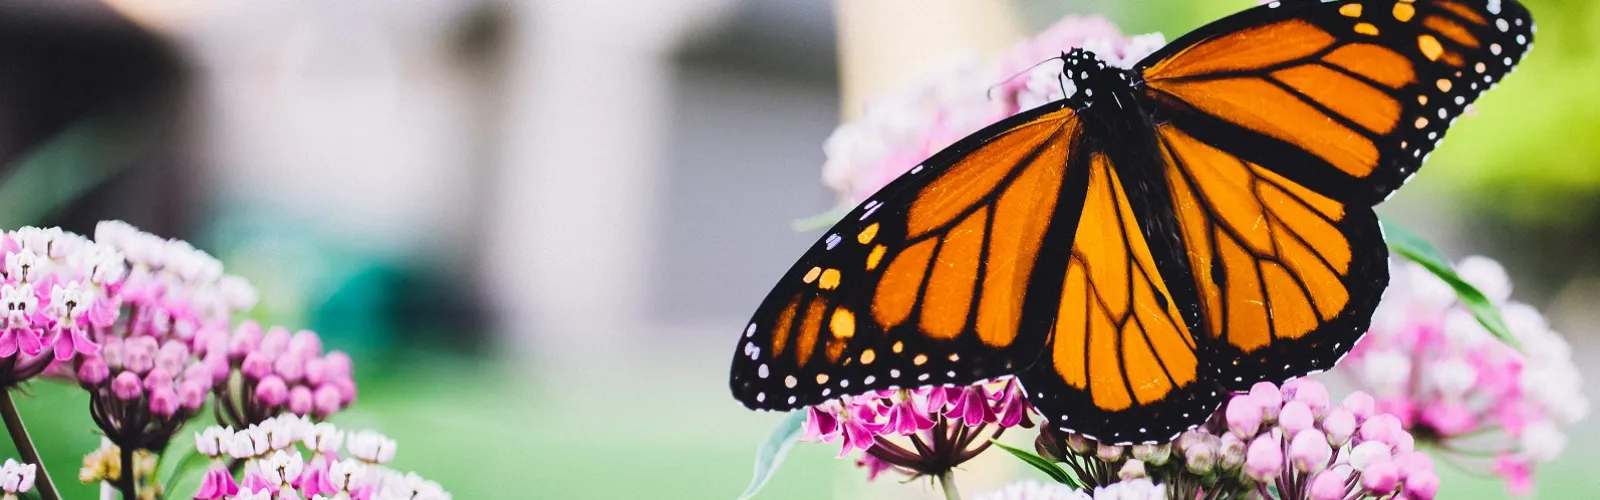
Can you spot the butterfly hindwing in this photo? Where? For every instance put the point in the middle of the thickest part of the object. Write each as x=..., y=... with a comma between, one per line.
x=924, y=283
x=1122, y=365
x=1287, y=278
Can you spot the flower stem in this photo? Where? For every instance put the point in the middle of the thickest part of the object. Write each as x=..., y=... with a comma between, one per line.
x=947, y=482
x=127, y=482
x=19, y=437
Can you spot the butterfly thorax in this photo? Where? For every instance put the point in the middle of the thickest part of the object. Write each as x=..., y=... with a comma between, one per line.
x=1098, y=83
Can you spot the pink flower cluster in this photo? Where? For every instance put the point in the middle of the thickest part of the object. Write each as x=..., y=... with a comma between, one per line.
x=1306, y=448
x=57, y=287
x=1429, y=362
x=161, y=300
x=281, y=372
x=949, y=423
x=900, y=130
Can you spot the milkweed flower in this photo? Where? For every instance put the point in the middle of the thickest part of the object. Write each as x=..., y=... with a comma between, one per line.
x=57, y=287
x=16, y=479
x=1427, y=361
x=1288, y=443
x=899, y=130
x=274, y=464
x=213, y=443
x=919, y=432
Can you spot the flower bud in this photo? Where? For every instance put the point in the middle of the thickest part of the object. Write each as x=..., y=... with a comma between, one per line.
x=316, y=371
x=1328, y=485
x=1153, y=454
x=338, y=364
x=1309, y=451
x=300, y=400
x=1190, y=438
x=1270, y=398
x=1380, y=478
x=272, y=391
x=126, y=386
x=1264, y=459
x=1340, y=425
x=305, y=343
x=191, y=394
x=113, y=350
x=92, y=371
x=326, y=400
x=1296, y=417
x=1079, y=444
x=289, y=366
x=1108, y=452
x=1313, y=394
x=1361, y=404
x=1231, y=452
x=246, y=339
x=256, y=365
x=1369, y=453
x=1200, y=458
x=1384, y=428
x=276, y=342
x=157, y=378
x=1244, y=416
x=139, y=354
x=172, y=357
x=163, y=401
x=1423, y=485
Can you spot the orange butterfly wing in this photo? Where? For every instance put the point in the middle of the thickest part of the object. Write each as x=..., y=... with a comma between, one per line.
x=1281, y=129
x=930, y=281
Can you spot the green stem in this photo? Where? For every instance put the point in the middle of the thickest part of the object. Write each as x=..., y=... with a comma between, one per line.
x=19, y=437
x=128, y=484
x=947, y=482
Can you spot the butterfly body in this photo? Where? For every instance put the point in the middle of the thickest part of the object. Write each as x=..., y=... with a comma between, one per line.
x=1162, y=236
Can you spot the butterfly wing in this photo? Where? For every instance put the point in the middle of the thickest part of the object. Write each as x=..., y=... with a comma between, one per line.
x=1122, y=365
x=1282, y=126
x=1345, y=97
x=927, y=282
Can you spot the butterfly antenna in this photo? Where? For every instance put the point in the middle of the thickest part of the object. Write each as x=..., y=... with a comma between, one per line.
x=990, y=93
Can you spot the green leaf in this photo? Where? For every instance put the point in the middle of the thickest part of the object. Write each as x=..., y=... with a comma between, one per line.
x=1413, y=248
x=191, y=462
x=820, y=221
x=1043, y=464
x=770, y=456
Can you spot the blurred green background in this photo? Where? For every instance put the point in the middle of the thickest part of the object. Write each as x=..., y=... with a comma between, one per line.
x=540, y=296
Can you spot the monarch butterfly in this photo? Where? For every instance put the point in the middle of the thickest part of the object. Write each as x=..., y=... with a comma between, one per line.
x=1163, y=236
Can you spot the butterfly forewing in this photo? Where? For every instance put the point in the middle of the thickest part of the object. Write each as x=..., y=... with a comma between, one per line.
x=1346, y=98
x=924, y=283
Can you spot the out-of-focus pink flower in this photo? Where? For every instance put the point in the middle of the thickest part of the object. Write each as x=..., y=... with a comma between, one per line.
x=1430, y=363
x=899, y=130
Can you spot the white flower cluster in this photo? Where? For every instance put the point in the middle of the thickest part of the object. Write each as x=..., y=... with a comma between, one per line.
x=1132, y=489
x=16, y=478
x=272, y=456
x=76, y=269
x=173, y=266
x=258, y=441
